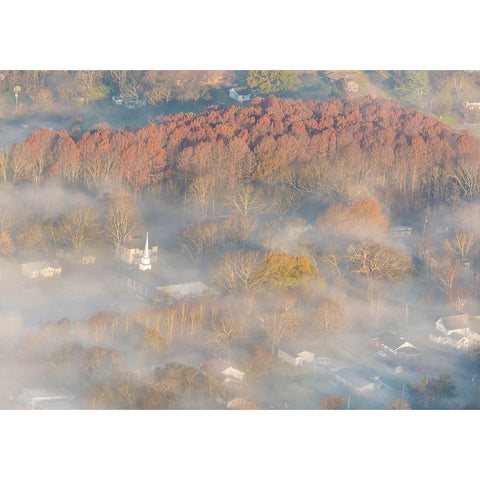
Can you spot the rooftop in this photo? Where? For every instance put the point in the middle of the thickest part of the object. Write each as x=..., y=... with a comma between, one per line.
x=390, y=340
x=181, y=290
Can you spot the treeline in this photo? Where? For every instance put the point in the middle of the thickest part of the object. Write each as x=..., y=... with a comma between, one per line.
x=337, y=150
x=44, y=88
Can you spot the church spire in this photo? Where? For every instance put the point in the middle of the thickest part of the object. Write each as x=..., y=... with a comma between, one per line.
x=145, y=263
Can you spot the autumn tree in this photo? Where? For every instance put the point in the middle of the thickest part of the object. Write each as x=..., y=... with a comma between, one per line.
x=272, y=81
x=152, y=343
x=363, y=218
x=7, y=220
x=431, y=393
x=332, y=402
x=285, y=270
x=399, y=404
x=7, y=246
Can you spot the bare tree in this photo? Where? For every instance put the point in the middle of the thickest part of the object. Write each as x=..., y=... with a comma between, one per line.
x=379, y=262
x=280, y=321
x=79, y=227
x=245, y=200
x=447, y=275
x=460, y=245
x=201, y=193
x=225, y=331
x=467, y=175
x=7, y=220
x=238, y=270
x=328, y=316
x=121, y=218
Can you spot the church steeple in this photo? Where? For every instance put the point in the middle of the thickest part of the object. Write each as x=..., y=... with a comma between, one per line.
x=145, y=263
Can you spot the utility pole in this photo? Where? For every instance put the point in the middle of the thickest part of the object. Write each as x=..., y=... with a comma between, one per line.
x=403, y=390
x=348, y=402
x=16, y=89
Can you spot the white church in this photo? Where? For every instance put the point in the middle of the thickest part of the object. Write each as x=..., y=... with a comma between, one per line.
x=146, y=283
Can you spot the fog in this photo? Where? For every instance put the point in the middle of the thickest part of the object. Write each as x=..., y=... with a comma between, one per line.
x=324, y=275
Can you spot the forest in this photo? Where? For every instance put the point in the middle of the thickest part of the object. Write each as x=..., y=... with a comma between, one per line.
x=285, y=207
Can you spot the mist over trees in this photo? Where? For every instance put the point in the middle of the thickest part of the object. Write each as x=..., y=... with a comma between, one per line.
x=284, y=207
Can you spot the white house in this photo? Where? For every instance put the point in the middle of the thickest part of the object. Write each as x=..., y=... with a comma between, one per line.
x=395, y=345
x=42, y=269
x=459, y=331
x=358, y=379
x=223, y=368
x=40, y=398
x=133, y=249
x=182, y=290
x=400, y=231
x=240, y=94
x=287, y=355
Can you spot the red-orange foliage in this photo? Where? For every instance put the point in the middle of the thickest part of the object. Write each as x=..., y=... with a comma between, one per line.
x=404, y=148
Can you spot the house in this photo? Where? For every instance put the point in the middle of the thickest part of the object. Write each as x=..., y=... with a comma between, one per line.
x=144, y=283
x=289, y=355
x=400, y=231
x=395, y=345
x=46, y=399
x=357, y=379
x=133, y=249
x=472, y=105
x=459, y=331
x=182, y=290
x=223, y=369
x=240, y=94
x=41, y=269
x=129, y=101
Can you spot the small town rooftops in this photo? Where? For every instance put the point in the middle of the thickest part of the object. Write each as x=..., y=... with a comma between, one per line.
x=390, y=339
x=454, y=322
x=181, y=290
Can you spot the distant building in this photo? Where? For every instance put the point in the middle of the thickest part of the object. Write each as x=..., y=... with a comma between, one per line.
x=358, y=379
x=182, y=290
x=241, y=94
x=223, y=369
x=395, y=345
x=133, y=249
x=472, y=105
x=129, y=102
x=289, y=355
x=144, y=282
x=41, y=269
x=400, y=231
x=46, y=399
x=459, y=331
